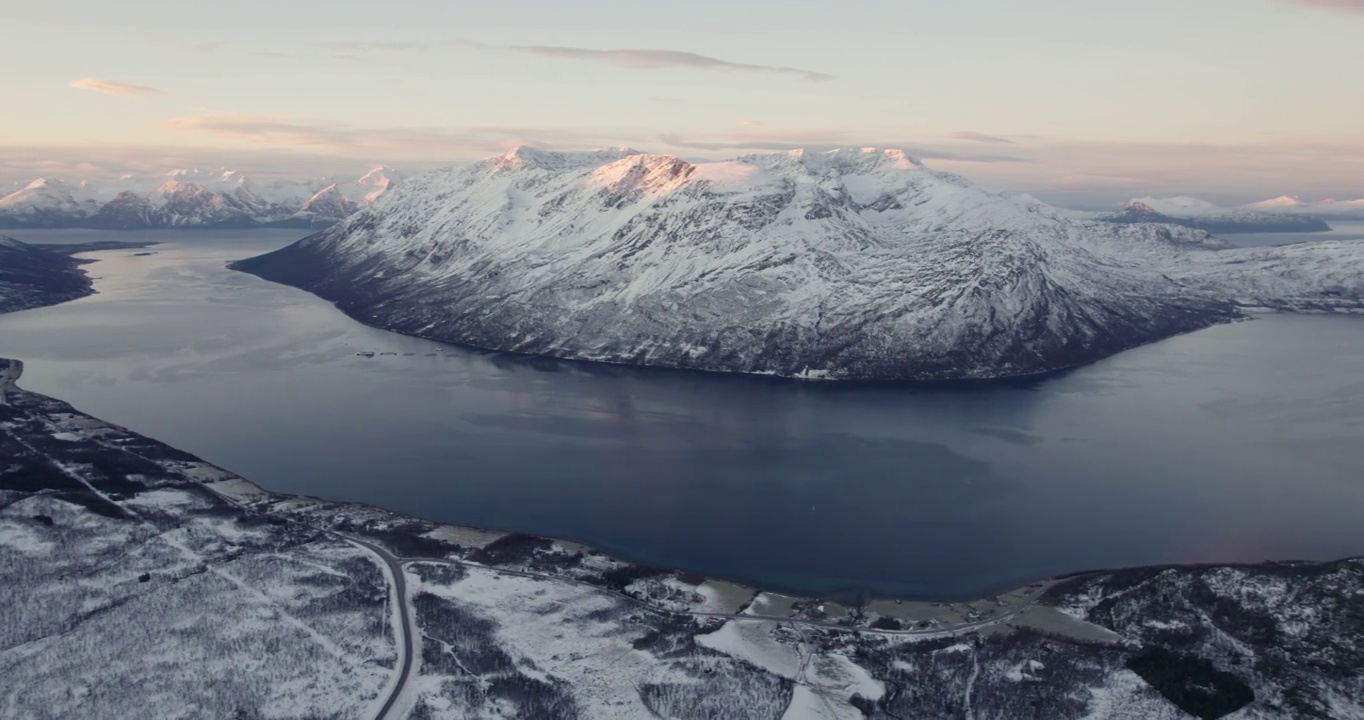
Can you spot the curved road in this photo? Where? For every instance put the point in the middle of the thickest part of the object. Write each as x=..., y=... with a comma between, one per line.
x=395, y=568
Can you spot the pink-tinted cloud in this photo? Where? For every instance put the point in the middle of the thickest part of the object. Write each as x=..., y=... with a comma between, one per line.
x=1349, y=6
x=110, y=87
x=400, y=142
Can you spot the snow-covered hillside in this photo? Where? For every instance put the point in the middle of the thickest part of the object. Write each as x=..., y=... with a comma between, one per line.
x=191, y=199
x=850, y=264
x=32, y=277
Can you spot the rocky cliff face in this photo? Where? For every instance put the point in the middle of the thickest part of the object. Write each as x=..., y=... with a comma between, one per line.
x=850, y=264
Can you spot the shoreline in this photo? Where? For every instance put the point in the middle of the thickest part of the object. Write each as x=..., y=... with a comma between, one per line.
x=415, y=541
x=375, y=523
x=379, y=614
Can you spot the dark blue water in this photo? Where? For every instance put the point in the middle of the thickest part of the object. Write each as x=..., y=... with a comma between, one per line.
x=1238, y=443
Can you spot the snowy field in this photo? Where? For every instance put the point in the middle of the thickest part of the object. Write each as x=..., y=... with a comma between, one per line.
x=137, y=594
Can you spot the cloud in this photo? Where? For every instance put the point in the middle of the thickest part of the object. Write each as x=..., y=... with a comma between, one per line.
x=392, y=142
x=819, y=141
x=647, y=59
x=1350, y=6
x=109, y=87
x=982, y=137
x=654, y=59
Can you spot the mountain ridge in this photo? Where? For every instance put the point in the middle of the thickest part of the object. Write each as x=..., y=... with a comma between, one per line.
x=190, y=199
x=858, y=264
x=1202, y=215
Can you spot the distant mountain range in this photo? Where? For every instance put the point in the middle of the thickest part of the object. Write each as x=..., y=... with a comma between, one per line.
x=191, y=199
x=1281, y=214
x=228, y=199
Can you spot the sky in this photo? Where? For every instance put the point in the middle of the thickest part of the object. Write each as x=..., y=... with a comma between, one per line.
x=1081, y=102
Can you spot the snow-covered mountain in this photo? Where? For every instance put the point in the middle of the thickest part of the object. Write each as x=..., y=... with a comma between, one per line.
x=853, y=264
x=44, y=202
x=1328, y=209
x=370, y=186
x=326, y=205
x=1281, y=213
x=192, y=199
x=1203, y=215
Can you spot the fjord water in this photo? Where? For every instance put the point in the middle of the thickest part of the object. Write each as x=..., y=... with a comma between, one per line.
x=1237, y=443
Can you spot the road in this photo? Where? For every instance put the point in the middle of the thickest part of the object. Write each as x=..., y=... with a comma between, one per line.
x=395, y=568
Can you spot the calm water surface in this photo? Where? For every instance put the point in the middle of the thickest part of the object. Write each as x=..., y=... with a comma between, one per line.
x=1237, y=443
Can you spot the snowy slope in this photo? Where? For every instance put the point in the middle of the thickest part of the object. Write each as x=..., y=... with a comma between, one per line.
x=848, y=264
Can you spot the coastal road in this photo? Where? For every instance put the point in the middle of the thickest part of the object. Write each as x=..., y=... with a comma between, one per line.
x=395, y=568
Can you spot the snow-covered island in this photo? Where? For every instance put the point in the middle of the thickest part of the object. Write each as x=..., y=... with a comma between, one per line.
x=141, y=581
x=851, y=264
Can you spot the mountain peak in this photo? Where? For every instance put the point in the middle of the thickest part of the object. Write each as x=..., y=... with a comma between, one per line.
x=527, y=156
x=842, y=159
x=1137, y=206
x=43, y=182
x=1282, y=201
x=1178, y=205
x=233, y=177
